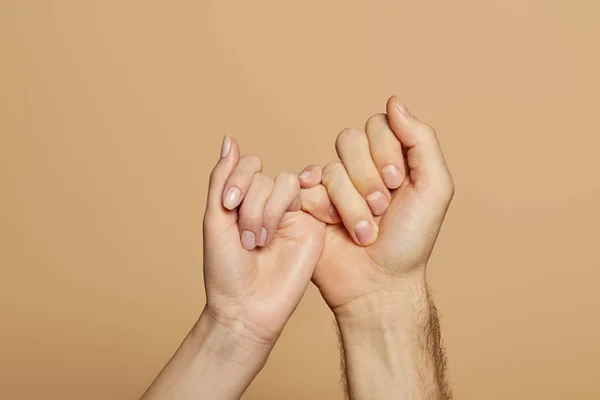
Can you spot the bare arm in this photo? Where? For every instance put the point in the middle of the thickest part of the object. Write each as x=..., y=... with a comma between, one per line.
x=392, y=346
x=391, y=190
x=217, y=360
x=259, y=254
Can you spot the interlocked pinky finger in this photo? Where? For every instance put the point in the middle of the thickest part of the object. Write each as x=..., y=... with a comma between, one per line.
x=285, y=197
x=317, y=203
x=310, y=177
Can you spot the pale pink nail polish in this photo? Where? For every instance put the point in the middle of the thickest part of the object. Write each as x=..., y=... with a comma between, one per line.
x=263, y=237
x=232, y=198
x=377, y=202
x=225, y=147
x=248, y=240
x=391, y=176
x=365, y=232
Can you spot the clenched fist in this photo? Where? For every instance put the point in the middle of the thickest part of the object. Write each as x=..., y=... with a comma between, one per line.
x=264, y=240
x=390, y=189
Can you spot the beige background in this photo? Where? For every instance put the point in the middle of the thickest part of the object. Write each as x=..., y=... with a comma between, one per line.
x=111, y=117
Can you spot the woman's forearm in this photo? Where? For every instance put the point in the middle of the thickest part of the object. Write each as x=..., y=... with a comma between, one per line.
x=217, y=360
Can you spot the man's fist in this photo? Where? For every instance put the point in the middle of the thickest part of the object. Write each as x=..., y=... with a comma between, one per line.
x=391, y=189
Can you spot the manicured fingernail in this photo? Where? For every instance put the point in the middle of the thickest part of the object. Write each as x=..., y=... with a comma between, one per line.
x=333, y=213
x=365, y=232
x=402, y=108
x=231, y=198
x=391, y=176
x=225, y=147
x=248, y=240
x=304, y=175
x=377, y=202
x=263, y=237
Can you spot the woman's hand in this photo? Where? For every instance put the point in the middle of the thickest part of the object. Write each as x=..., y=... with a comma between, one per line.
x=260, y=249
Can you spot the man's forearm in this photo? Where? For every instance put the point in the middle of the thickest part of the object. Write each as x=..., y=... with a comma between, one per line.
x=217, y=360
x=392, y=346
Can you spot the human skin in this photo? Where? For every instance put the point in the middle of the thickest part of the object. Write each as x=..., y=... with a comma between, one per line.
x=371, y=271
x=391, y=190
x=260, y=251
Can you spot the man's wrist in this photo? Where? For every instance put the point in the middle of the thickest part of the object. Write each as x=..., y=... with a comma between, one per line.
x=399, y=303
x=391, y=343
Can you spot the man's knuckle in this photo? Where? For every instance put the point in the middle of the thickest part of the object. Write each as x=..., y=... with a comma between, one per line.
x=288, y=179
x=427, y=129
x=349, y=135
x=375, y=120
x=331, y=171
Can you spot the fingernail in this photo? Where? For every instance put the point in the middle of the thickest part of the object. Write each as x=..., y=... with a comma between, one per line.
x=305, y=175
x=402, y=108
x=365, y=232
x=391, y=176
x=248, y=240
x=377, y=202
x=263, y=237
x=225, y=147
x=231, y=198
x=333, y=213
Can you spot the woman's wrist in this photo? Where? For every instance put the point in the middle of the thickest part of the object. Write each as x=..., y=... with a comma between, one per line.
x=229, y=340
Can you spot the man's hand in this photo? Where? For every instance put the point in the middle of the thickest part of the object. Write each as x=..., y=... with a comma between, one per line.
x=396, y=172
x=260, y=251
x=391, y=190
